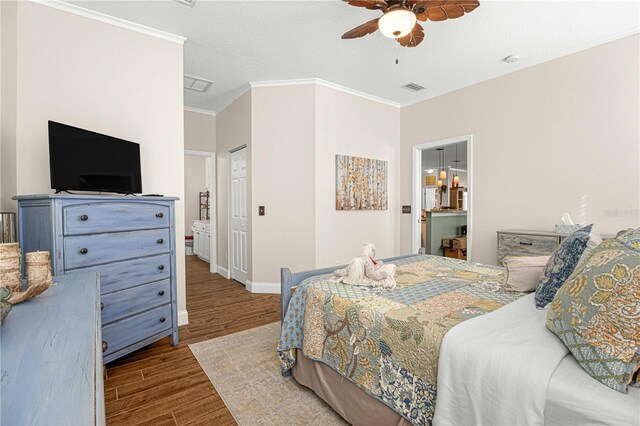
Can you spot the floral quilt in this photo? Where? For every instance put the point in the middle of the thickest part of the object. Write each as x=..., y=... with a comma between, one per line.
x=385, y=341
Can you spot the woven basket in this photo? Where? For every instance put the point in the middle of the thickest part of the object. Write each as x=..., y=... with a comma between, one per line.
x=11, y=266
x=37, y=266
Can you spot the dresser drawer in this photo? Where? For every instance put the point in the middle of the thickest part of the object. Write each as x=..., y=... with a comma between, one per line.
x=134, y=300
x=88, y=250
x=130, y=273
x=525, y=245
x=94, y=218
x=121, y=334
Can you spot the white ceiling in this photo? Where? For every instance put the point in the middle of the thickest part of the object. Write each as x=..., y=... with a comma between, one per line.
x=236, y=42
x=430, y=157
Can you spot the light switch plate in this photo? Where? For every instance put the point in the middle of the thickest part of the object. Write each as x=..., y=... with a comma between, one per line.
x=406, y=209
x=260, y=210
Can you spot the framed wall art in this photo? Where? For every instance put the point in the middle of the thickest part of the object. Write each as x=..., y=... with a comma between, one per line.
x=361, y=183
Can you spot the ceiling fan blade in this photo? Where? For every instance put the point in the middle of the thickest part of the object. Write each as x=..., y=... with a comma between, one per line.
x=414, y=38
x=369, y=4
x=442, y=10
x=362, y=30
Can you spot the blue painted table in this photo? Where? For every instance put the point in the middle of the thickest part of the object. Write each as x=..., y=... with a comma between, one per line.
x=50, y=357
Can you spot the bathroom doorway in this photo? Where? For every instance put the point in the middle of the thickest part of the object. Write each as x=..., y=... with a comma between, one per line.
x=200, y=205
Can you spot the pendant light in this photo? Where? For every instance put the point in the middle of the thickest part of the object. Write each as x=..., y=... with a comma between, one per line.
x=456, y=178
x=443, y=173
x=440, y=163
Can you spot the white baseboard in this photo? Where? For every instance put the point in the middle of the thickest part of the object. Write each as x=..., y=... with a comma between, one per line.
x=183, y=317
x=224, y=272
x=271, y=288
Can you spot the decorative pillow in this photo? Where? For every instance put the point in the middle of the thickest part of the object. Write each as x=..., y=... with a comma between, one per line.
x=560, y=265
x=523, y=272
x=596, y=314
x=630, y=237
x=594, y=240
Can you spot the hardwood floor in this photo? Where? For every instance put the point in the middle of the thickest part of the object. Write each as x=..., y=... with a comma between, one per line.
x=164, y=385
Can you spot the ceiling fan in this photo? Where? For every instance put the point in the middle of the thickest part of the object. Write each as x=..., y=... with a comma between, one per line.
x=399, y=19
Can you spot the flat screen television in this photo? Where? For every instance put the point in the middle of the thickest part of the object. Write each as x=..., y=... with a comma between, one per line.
x=82, y=160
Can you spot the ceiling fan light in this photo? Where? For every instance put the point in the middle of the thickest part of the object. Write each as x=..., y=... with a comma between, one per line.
x=397, y=23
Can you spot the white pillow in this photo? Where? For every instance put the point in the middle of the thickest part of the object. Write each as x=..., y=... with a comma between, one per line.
x=523, y=272
x=594, y=240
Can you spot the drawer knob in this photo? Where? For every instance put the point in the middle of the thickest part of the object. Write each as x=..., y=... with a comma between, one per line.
x=525, y=244
x=159, y=215
x=84, y=250
x=160, y=241
x=105, y=346
x=161, y=267
x=84, y=218
x=161, y=293
x=101, y=306
x=163, y=319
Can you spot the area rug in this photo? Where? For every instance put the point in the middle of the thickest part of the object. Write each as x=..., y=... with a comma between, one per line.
x=245, y=371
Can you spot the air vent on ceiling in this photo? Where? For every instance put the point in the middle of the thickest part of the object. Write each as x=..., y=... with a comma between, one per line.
x=196, y=83
x=413, y=87
x=187, y=2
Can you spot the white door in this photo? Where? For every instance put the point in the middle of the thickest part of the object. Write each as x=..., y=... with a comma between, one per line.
x=238, y=167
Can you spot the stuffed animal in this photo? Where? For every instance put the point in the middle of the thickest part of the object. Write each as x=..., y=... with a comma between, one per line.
x=366, y=271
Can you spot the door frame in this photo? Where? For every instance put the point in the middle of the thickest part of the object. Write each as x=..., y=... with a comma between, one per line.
x=229, y=226
x=213, y=215
x=417, y=189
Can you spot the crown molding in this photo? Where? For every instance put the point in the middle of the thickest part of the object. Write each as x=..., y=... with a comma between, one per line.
x=234, y=98
x=199, y=110
x=357, y=93
x=559, y=55
x=279, y=83
x=324, y=83
x=87, y=13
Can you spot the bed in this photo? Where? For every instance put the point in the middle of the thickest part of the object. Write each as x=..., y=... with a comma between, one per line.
x=449, y=329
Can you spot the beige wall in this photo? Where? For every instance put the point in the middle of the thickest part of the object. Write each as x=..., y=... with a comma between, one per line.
x=233, y=130
x=351, y=125
x=283, y=179
x=8, y=104
x=296, y=131
x=199, y=131
x=560, y=136
x=88, y=74
x=199, y=135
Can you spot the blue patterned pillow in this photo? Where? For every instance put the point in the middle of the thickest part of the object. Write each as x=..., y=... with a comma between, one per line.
x=560, y=265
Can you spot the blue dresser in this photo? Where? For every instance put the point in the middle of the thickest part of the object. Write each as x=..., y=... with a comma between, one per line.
x=50, y=357
x=129, y=241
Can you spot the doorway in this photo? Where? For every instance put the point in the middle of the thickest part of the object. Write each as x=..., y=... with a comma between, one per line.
x=238, y=222
x=442, y=198
x=200, y=205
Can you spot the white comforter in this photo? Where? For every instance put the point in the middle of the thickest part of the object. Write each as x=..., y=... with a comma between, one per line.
x=495, y=369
